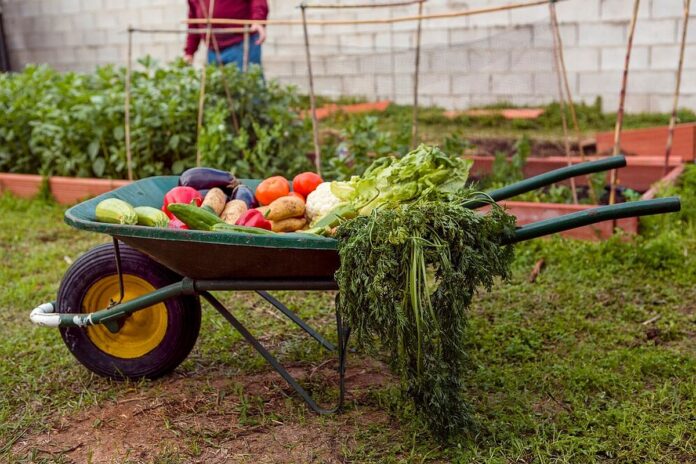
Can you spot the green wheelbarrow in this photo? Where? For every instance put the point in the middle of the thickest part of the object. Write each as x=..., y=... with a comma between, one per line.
x=131, y=309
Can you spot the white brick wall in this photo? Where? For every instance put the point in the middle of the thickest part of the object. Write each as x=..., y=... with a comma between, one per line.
x=465, y=61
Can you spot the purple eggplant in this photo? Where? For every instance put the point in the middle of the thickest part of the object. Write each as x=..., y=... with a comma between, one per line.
x=244, y=193
x=207, y=178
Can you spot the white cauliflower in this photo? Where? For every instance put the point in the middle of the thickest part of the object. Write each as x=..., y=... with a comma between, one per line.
x=320, y=202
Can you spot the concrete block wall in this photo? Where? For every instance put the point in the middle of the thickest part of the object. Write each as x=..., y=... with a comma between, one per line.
x=465, y=61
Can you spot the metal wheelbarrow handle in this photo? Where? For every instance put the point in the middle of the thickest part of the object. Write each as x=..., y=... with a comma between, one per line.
x=594, y=215
x=551, y=177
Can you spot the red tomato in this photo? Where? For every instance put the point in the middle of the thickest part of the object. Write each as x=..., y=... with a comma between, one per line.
x=272, y=189
x=306, y=183
x=297, y=194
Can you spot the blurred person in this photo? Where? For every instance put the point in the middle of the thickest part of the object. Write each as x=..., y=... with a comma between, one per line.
x=231, y=45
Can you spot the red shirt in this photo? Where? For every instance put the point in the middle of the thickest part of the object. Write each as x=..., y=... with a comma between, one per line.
x=229, y=9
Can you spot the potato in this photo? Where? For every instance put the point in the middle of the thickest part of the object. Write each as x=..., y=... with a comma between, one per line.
x=289, y=225
x=215, y=199
x=285, y=208
x=233, y=211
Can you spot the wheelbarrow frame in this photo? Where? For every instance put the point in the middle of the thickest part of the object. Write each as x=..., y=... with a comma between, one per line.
x=46, y=314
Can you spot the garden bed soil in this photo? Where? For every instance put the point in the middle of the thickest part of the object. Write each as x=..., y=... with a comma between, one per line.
x=489, y=146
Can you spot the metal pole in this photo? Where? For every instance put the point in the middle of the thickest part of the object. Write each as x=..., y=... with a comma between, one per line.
x=622, y=99
x=561, y=101
x=129, y=64
x=204, y=72
x=245, y=58
x=416, y=74
x=673, y=119
x=312, y=100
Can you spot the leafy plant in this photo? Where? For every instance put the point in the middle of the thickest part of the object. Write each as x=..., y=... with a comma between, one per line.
x=72, y=124
x=407, y=277
x=361, y=142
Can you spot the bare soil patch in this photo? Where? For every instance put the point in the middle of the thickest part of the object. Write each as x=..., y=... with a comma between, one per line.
x=219, y=418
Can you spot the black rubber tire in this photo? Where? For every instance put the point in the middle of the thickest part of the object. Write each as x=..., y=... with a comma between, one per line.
x=183, y=315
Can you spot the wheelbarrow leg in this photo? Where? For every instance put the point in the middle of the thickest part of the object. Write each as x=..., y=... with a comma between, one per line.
x=343, y=334
x=296, y=319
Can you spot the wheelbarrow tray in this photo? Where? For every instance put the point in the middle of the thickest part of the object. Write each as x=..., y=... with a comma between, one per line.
x=204, y=255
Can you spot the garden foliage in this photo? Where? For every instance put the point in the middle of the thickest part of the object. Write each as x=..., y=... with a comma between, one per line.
x=72, y=124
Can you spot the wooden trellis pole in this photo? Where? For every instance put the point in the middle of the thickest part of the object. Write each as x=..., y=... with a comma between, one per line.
x=677, y=90
x=129, y=65
x=204, y=73
x=312, y=97
x=569, y=94
x=561, y=97
x=399, y=19
x=416, y=75
x=622, y=100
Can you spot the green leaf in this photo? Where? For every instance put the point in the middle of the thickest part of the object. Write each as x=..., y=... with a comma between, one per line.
x=93, y=149
x=98, y=166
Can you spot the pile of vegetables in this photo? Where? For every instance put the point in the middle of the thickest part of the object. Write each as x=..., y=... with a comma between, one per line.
x=213, y=200
x=412, y=253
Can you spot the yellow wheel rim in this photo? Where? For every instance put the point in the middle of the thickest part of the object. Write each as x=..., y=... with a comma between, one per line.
x=141, y=332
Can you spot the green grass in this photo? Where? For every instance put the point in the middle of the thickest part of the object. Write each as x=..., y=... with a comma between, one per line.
x=564, y=370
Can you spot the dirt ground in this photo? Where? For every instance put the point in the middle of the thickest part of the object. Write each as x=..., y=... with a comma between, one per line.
x=216, y=419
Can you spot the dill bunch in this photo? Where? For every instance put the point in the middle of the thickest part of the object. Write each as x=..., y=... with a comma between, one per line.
x=407, y=278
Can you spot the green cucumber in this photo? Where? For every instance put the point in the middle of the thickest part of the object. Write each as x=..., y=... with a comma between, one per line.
x=224, y=227
x=194, y=217
x=115, y=211
x=151, y=217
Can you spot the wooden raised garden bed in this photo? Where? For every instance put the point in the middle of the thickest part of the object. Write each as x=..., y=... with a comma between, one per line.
x=652, y=142
x=65, y=190
x=641, y=174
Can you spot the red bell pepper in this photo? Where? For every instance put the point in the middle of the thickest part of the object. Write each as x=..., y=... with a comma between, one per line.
x=254, y=218
x=187, y=195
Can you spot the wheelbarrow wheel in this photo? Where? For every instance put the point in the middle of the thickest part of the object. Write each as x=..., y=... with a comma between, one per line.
x=151, y=342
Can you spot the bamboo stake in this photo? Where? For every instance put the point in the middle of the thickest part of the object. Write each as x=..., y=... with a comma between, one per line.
x=622, y=99
x=362, y=5
x=559, y=81
x=312, y=100
x=569, y=94
x=204, y=73
x=245, y=57
x=224, y=30
x=225, y=84
x=399, y=19
x=677, y=90
x=129, y=65
x=416, y=75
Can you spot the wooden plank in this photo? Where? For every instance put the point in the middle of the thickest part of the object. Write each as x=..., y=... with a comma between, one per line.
x=652, y=142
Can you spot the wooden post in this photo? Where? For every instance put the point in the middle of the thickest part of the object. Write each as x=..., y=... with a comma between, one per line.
x=129, y=65
x=677, y=90
x=561, y=101
x=312, y=101
x=245, y=58
x=204, y=73
x=622, y=99
x=416, y=74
